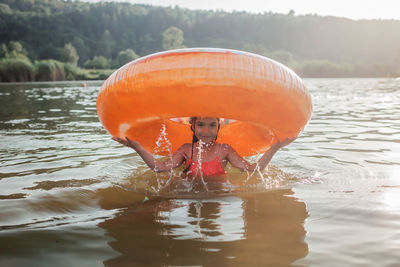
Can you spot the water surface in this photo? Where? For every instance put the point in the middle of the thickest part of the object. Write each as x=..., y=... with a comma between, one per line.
x=68, y=193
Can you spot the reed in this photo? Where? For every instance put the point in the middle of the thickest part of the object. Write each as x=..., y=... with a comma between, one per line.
x=73, y=72
x=16, y=70
x=49, y=70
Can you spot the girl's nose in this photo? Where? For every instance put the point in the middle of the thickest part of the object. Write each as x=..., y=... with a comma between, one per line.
x=204, y=131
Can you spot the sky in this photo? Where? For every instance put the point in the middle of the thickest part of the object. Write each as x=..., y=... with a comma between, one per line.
x=353, y=9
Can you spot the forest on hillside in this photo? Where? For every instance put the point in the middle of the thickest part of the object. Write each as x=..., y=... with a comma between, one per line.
x=55, y=39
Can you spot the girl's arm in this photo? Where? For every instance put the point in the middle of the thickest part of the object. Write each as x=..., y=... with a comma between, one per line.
x=238, y=162
x=153, y=163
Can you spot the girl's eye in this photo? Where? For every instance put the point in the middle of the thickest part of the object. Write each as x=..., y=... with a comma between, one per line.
x=200, y=124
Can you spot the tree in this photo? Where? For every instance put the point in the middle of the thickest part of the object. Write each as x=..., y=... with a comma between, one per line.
x=172, y=38
x=3, y=51
x=17, y=48
x=106, y=44
x=282, y=56
x=24, y=4
x=4, y=8
x=125, y=56
x=255, y=48
x=69, y=54
x=81, y=48
x=98, y=62
x=13, y=50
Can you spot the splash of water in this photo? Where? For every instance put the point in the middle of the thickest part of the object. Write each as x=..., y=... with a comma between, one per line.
x=256, y=170
x=163, y=144
x=143, y=181
x=199, y=167
x=176, y=183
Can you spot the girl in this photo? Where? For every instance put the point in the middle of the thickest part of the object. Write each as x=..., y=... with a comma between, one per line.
x=204, y=156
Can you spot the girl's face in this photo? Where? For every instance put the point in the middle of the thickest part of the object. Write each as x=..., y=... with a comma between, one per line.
x=206, y=129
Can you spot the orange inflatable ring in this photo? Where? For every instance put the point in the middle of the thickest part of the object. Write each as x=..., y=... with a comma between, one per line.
x=265, y=99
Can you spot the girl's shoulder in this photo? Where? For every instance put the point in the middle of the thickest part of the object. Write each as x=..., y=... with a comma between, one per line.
x=225, y=147
x=224, y=150
x=185, y=146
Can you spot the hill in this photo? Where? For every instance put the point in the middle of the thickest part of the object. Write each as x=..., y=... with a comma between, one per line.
x=106, y=35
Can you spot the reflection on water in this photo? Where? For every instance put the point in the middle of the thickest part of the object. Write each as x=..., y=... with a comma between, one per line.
x=203, y=219
x=83, y=245
x=70, y=196
x=266, y=228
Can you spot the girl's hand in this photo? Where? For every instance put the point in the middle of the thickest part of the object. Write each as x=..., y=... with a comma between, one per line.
x=126, y=142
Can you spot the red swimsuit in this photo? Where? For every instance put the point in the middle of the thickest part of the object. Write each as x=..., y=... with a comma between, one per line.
x=208, y=168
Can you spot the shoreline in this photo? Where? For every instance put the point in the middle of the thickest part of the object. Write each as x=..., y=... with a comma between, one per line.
x=102, y=80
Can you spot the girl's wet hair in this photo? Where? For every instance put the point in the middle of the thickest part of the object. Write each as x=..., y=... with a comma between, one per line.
x=192, y=122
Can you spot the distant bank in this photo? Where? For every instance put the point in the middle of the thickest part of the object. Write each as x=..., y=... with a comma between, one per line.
x=20, y=70
x=66, y=40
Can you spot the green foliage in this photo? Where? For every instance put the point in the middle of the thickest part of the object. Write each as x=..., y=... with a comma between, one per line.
x=3, y=51
x=124, y=57
x=73, y=72
x=98, y=62
x=282, y=56
x=50, y=70
x=24, y=4
x=98, y=74
x=53, y=70
x=172, y=38
x=69, y=54
x=327, y=69
x=21, y=70
x=99, y=32
x=105, y=45
x=13, y=50
x=4, y=8
x=16, y=47
x=16, y=70
x=45, y=7
x=256, y=49
x=81, y=48
x=15, y=66
x=319, y=68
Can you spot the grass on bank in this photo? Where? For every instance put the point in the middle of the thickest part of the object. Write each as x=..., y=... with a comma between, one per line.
x=22, y=70
x=16, y=70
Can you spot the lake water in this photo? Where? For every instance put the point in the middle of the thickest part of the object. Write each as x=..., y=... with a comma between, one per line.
x=69, y=194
